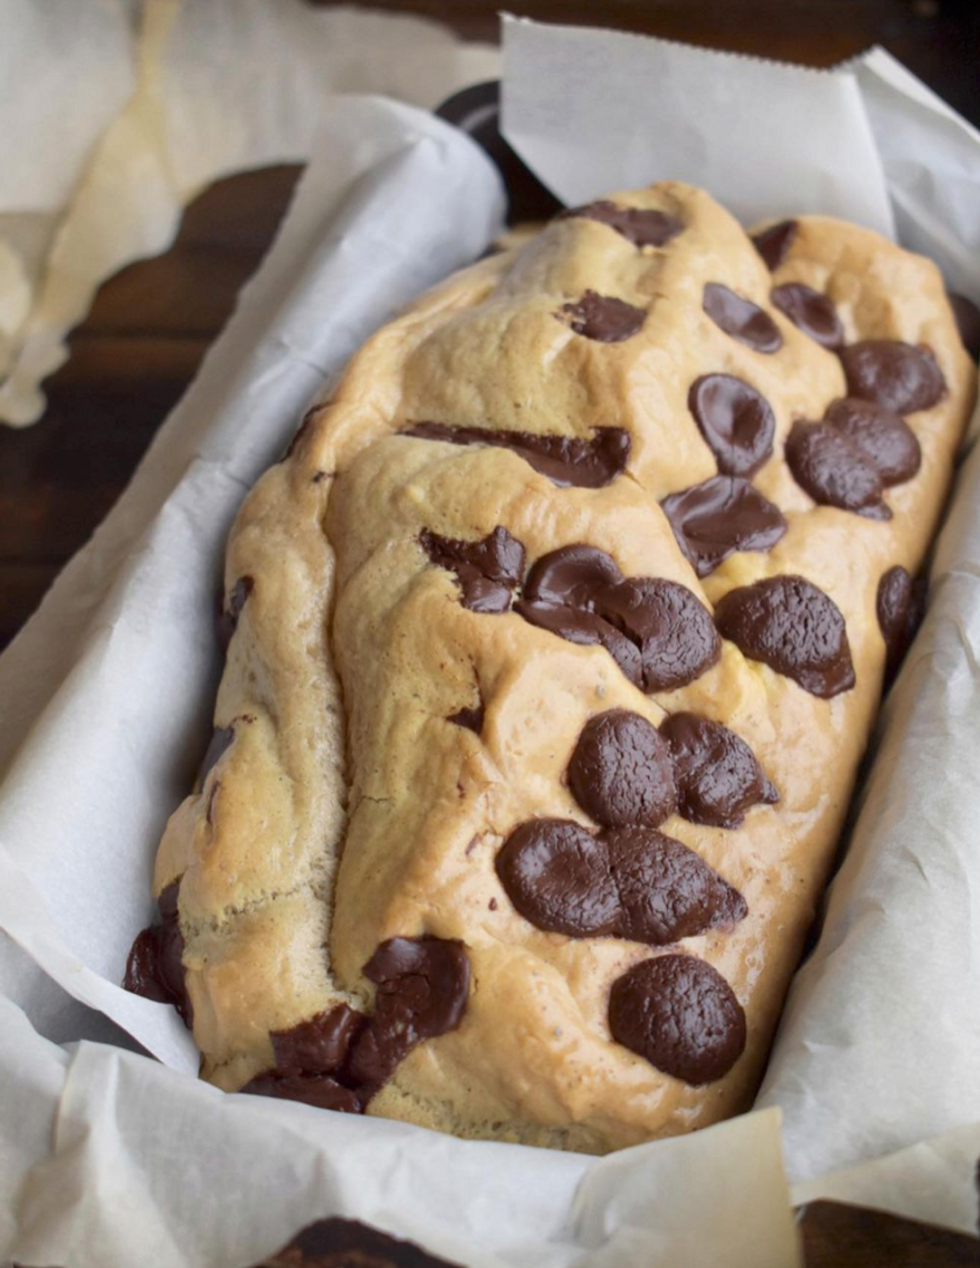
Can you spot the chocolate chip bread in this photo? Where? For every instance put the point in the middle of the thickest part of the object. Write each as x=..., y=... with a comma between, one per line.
x=553, y=645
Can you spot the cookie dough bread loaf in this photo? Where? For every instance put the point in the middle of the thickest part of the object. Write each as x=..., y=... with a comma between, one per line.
x=553, y=646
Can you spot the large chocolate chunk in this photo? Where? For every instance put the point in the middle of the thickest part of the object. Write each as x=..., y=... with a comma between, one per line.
x=680, y=1015
x=666, y=892
x=155, y=965
x=339, y=1243
x=773, y=244
x=735, y=420
x=811, y=312
x=317, y=1046
x=422, y=986
x=740, y=318
x=895, y=375
x=565, y=460
x=630, y=882
x=672, y=629
x=793, y=627
x=717, y=776
x=487, y=570
x=834, y=471
x=603, y=318
x=656, y=630
x=230, y=612
x=570, y=575
x=714, y=519
x=642, y=227
x=319, y=1090
x=556, y=873
x=620, y=772
x=884, y=437
x=900, y=608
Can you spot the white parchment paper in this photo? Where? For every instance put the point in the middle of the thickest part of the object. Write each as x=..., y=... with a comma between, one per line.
x=107, y=692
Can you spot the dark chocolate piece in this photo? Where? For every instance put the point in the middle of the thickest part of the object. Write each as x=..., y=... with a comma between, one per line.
x=340, y=1243
x=570, y=575
x=319, y=1090
x=317, y=1046
x=735, y=420
x=793, y=627
x=895, y=375
x=603, y=317
x=717, y=775
x=720, y=516
x=831, y=468
x=487, y=570
x=229, y=614
x=680, y=1015
x=642, y=227
x=884, y=437
x=556, y=873
x=671, y=627
x=740, y=318
x=657, y=631
x=811, y=311
x=774, y=243
x=422, y=988
x=155, y=965
x=967, y=317
x=630, y=882
x=620, y=772
x=565, y=460
x=900, y=607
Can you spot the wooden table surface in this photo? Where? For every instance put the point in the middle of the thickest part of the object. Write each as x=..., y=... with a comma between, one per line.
x=151, y=324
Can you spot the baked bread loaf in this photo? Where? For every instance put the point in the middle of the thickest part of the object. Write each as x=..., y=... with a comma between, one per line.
x=553, y=646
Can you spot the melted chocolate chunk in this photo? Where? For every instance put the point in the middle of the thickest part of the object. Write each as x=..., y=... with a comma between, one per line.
x=620, y=772
x=740, y=318
x=838, y=1235
x=717, y=775
x=834, y=471
x=228, y=617
x=631, y=882
x=579, y=625
x=644, y=228
x=570, y=575
x=567, y=461
x=735, y=421
x=657, y=631
x=895, y=375
x=155, y=966
x=340, y=1243
x=812, y=312
x=603, y=318
x=472, y=719
x=680, y=1015
x=666, y=892
x=714, y=519
x=320, y=1090
x=422, y=986
x=673, y=630
x=487, y=570
x=774, y=243
x=557, y=875
x=221, y=740
x=967, y=317
x=793, y=627
x=885, y=438
x=900, y=607
x=317, y=1046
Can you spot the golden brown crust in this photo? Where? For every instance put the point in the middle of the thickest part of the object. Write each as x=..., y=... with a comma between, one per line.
x=352, y=651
